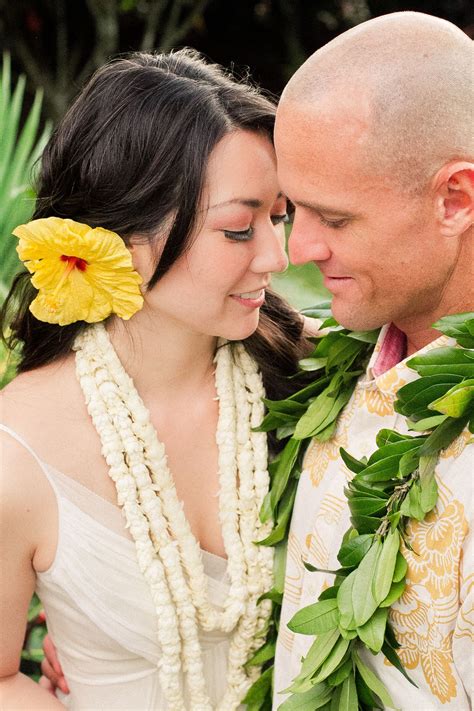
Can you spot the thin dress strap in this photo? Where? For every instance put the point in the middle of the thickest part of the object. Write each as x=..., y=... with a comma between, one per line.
x=25, y=445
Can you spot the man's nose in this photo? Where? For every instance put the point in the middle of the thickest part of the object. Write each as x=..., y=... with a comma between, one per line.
x=306, y=244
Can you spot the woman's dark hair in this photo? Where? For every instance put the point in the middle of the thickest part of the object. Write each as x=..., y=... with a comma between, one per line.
x=130, y=153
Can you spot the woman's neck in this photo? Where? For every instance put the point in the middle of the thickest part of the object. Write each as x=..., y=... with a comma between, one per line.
x=161, y=356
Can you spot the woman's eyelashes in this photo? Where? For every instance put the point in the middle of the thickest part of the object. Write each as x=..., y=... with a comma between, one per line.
x=244, y=235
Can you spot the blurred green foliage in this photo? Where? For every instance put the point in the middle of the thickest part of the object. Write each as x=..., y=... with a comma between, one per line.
x=21, y=148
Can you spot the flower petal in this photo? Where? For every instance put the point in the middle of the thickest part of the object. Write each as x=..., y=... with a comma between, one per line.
x=105, y=283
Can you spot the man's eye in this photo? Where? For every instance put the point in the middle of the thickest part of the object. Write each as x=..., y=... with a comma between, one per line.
x=279, y=219
x=239, y=235
x=333, y=224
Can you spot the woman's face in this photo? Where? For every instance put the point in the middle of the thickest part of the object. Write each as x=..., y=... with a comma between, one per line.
x=218, y=286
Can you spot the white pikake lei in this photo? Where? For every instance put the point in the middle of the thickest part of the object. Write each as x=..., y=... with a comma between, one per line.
x=168, y=554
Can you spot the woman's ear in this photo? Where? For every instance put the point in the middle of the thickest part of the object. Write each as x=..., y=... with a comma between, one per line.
x=454, y=189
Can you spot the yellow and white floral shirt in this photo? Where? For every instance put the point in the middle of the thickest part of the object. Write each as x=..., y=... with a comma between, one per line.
x=433, y=620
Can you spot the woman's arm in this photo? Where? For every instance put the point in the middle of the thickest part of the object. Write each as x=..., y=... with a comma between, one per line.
x=19, y=534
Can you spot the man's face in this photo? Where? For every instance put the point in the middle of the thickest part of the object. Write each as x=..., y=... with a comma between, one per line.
x=378, y=246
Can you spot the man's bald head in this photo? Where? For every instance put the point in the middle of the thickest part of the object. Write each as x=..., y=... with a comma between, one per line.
x=408, y=77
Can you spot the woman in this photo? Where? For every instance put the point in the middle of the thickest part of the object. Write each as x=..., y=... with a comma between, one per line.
x=154, y=605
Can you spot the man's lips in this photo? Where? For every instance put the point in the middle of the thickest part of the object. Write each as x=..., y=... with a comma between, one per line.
x=336, y=282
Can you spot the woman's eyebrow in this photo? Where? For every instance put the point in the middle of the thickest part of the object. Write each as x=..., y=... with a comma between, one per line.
x=248, y=202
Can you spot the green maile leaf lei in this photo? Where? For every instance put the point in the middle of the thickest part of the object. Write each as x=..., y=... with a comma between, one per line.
x=395, y=484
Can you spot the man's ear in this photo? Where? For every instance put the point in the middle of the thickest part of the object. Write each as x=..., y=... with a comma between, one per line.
x=454, y=190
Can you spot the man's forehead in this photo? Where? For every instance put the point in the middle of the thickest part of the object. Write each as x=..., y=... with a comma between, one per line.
x=346, y=113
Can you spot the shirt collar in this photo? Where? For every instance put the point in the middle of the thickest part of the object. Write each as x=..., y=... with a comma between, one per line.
x=387, y=367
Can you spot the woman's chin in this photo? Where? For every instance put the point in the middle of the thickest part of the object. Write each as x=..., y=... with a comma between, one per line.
x=240, y=331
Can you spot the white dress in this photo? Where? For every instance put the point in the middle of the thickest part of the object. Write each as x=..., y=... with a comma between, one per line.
x=99, y=609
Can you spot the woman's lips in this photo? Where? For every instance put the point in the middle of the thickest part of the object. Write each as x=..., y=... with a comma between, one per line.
x=250, y=299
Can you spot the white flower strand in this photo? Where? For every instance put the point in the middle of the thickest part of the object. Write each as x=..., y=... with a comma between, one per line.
x=209, y=617
x=134, y=447
x=145, y=455
x=94, y=381
x=236, y=662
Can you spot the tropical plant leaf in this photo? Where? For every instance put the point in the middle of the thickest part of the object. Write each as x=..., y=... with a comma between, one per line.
x=259, y=690
x=352, y=552
x=315, y=619
x=373, y=682
x=372, y=634
x=348, y=700
x=310, y=700
x=363, y=600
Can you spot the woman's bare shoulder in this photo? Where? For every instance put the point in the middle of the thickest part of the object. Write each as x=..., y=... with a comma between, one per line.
x=38, y=393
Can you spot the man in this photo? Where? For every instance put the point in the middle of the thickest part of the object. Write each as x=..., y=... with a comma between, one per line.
x=374, y=145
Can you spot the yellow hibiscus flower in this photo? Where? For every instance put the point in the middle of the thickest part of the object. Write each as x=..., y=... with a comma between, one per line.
x=81, y=273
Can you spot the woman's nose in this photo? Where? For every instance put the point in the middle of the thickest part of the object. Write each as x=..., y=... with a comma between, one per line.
x=271, y=255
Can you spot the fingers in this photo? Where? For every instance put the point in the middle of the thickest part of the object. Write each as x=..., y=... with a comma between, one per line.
x=46, y=684
x=51, y=668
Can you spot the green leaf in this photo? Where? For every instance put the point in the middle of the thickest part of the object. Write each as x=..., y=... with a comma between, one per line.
x=396, y=591
x=363, y=600
x=408, y=463
x=386, y=436
x=365, y=336
x=318, y=652
x=349, y=701
x=336, y=695
x=411, y=505
x=332, y=661
x=283, y=518
x=385, y=566
x=259, y=690
x=329, y=593
x=286, y=408
x=320, y=310
x=427, y=423
x=273, y=595
x=310, y=364
x=279, y=567
x=356, y=485
x=315, y=619
x=373, y=632
x=352, y=552
x=366, y=698
x=428, y=493
x=347, y=634
x=401, y=567
x=365, y=524
x=344, y=601
x=457, y=401
x=443, y=435
x=310, y=700
x=343, y=351
x=353, y=464
x=366, y=506
x=341, y=673
x=373, y=682
x=454, y=324
x=394, y=659
x=283, y=471
x=263, y=654
x=322, y=411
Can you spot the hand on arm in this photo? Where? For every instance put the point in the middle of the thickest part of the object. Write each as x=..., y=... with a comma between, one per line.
x=53, y=676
